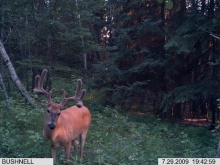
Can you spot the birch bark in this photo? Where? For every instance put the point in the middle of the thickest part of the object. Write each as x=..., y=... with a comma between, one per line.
x=14, y=76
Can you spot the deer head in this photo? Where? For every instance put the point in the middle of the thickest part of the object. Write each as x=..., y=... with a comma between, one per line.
x=54, y=109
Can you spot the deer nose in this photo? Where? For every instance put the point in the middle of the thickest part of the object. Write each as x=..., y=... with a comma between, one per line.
x=51, y=126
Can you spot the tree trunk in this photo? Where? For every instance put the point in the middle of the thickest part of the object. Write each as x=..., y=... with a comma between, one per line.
x=214, y=68
x=218, y=151
x=14, y=76
x=5, y=95
x=82, y=38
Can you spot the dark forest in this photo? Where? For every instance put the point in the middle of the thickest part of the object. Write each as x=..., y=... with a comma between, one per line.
x=150, y=69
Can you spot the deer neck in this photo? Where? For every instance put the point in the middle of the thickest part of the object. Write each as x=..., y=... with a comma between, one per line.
x=47, y=134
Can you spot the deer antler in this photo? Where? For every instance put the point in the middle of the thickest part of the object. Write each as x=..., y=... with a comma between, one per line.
x=39, y=80
x=77, y=98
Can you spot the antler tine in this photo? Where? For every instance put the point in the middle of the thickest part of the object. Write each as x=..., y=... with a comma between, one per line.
x=80, y=99
x=83, y=93
x=78, y=95
x=39, y=80
x=42, y=78
x=49, y=100
x=64, y=101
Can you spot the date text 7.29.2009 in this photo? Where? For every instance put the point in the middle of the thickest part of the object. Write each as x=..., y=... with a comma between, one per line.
x=188, y=161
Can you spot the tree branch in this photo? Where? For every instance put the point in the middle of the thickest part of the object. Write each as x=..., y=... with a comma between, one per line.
x=210, y=33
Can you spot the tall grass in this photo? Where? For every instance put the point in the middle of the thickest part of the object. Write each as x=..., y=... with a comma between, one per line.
x=113, y=138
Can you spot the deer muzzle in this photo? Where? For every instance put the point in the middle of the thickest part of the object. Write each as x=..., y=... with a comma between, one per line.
x=51, y=126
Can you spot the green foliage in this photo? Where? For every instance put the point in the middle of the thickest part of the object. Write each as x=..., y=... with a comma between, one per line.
x=169, y=3
x=160, y=1
x=128, y=141
x=218, y=100
x=113, y=138
x=133, y=66
x=49, y=32
x=186, y=45
x=21, y=133
x=194, y=92
x=136, y=65
x=31, y=62
x=191, y=32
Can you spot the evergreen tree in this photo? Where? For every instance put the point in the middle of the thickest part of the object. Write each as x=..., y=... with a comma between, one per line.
x=166, y=70
x=193, y=61
x=47, y=34
x=130, y=73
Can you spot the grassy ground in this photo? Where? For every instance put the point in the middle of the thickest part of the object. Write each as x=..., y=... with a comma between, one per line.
x=113, y=138
x=136, y=139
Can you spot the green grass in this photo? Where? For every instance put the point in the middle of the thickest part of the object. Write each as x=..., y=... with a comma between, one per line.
x=121, y=140
x=113, y=138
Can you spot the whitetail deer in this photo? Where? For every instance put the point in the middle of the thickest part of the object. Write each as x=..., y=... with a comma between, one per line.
x=63, y=127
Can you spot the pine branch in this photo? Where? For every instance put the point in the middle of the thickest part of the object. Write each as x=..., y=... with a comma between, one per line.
x=210, y=33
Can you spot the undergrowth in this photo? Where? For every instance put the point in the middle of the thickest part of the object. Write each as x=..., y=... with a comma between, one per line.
x=113, y=138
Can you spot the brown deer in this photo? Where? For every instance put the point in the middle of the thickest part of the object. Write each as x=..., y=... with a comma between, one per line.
x=63, y=127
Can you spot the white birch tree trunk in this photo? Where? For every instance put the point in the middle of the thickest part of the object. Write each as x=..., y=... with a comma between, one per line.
x=14, y=76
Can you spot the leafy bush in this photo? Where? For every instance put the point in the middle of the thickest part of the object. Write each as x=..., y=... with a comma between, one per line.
x=21, y=132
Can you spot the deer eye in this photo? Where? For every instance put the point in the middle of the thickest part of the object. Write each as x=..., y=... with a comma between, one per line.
x=48, y=111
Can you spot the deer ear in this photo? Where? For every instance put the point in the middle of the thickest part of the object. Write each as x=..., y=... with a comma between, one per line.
x=49, y=104
x=79, y=104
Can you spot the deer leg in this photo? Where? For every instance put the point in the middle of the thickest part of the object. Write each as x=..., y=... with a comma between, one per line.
x=68, y=150
x=82, y=142
x=75, y=145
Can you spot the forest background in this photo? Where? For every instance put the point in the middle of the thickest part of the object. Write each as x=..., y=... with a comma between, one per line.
x=154, y=59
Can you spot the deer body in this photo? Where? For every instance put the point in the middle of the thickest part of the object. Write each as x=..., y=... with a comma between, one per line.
x=64, y=127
